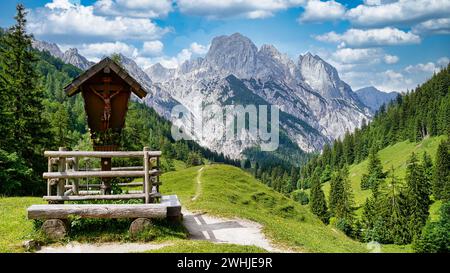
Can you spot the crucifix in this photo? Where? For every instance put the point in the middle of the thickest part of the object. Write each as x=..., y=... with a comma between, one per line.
x=106, y=93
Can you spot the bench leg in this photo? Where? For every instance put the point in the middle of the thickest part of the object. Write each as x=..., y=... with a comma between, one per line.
x=139, y=225
x=55, y=229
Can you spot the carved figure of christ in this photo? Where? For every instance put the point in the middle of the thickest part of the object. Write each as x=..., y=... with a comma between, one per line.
x=106, y=95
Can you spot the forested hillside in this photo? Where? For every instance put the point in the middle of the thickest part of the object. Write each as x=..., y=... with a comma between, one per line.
x=391, y=196
x=414, y=116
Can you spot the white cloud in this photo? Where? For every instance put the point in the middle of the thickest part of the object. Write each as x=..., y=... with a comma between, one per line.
x=134, y=8
x=317, y=11
x=443, y=61
x=78, y=20
x=184, y=55
x=96, y=51
x=390, y=59
x=435, y=26
x=152, y=47
x=252, y=9
x=403, y=79
x=366, y=56
x=198, y=48
x=400, y=12
x=370, y=37
x=194, y=49
x=60, y=4
x=429, y=67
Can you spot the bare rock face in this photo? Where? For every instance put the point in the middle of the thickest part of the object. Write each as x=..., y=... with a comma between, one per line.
x=139, y=225
x=317, y=105
x=55, y=229
x=71, y=56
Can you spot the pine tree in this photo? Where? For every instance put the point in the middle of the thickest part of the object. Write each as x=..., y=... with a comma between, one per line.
x=341, y=201
x=375, y=174
x=441, y=174
x=26, y=132
x=417, y=194
x=427, y=164
x=394, y=207
x=318, y=203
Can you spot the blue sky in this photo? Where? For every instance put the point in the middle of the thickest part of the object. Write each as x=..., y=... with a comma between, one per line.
x=393, y=45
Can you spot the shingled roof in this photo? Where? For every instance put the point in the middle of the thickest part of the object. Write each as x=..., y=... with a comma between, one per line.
x=73, y=88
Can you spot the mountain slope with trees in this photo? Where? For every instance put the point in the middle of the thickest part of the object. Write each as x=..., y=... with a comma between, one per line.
x=393, y=202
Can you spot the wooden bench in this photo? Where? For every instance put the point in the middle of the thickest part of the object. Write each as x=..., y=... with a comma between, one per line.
x=57, y=215
x=168, y=207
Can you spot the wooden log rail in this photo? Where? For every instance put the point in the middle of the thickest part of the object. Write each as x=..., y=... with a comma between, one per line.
x=66, y=178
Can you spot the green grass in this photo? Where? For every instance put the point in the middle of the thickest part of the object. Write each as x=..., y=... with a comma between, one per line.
x=207, y=247
x=14, y=226
x=230, y=192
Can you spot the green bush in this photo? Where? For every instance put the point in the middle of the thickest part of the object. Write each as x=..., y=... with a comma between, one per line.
x=14, y=173
x=300, y=196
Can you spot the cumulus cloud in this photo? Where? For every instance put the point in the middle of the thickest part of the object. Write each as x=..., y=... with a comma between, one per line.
x=429, y=67
x=433, y=26
x=134, y=8
x=194, y=49
x=252, y=9
x=390, y=59
x=152, y=47
x=370, y=37
x=385, y=13
x=199, y=49
x=63, y=18
x=366, y=56
x=406, y=78
x=318, y=11
x=95, y=51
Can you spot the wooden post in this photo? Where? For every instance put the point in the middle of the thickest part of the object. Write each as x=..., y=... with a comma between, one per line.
x=157, y=178
x=49, y=168
x=75, y=180
x=61, y=168
x=147, y=184
x=106, y=182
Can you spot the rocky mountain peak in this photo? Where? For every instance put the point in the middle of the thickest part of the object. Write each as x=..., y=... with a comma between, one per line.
x=234, y=54
x=51, y=48
x=72, y=56
x=322, y=77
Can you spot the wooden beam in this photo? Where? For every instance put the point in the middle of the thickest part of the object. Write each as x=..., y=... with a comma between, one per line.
x=131, y=168
x=100, y=154
x=88, y=174
x=97, y=211
x=95, y=197
x=146, y=176
x=130, y=184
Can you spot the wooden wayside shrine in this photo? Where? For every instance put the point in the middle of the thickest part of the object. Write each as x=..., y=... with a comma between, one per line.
x=106, y=88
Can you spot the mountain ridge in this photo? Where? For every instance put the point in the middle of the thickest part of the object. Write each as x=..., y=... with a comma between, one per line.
x=375, y=98
x=316, y=105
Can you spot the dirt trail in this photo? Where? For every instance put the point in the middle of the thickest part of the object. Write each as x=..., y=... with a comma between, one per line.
x=198, y=184
x=221, y=230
